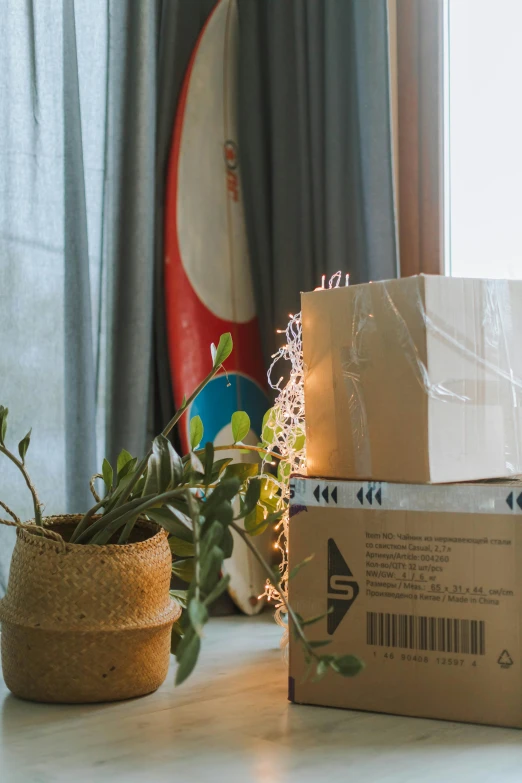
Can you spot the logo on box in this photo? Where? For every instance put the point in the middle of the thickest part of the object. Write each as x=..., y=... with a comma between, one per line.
x=342, y=588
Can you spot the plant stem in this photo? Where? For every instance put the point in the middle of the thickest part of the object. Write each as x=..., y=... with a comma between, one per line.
x=140, y=470
x=127, y=530
x=194, y=515
x=241, y=447
x=21, y=467
x=277, y=584
x=137, y=507
x=83, y=523
x=103, y=521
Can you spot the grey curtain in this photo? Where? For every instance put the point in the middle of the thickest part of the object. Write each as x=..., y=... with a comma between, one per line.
x=88, y=90
x=150, y=46
x=315, y=140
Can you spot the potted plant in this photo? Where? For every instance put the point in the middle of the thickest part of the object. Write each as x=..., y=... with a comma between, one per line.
x=88, y=613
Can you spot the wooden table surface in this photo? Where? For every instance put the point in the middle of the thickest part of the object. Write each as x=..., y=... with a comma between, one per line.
x=232, y=722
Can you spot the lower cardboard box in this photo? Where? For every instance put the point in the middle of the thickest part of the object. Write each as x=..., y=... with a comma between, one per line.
x=424, y=584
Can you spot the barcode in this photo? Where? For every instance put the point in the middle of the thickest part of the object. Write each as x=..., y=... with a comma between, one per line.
x=437, y=634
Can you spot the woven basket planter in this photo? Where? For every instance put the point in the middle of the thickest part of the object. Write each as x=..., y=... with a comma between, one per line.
x=87, y=623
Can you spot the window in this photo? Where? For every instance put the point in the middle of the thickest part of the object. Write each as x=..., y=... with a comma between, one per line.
x=459, y=159
x=483, y=138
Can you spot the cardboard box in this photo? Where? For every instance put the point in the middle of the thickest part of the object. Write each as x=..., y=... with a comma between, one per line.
x=424, y=584
x=414, y=380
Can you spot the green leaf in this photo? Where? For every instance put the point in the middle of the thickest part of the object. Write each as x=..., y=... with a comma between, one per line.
x=252, y=496
x=283, y=471
x=224, y=349
x=126, y=470
x=255, y=522
x=223, y=512
x=175, y=637
x=209, y=463
x=107, y=474
x=227, y=543
x=240, y=425
x=268, y=521
x=212, y=537
x=198, y=615
x=227, y=489
x=188, y=634
x=270, y=503
x=315, y=645
x=3, y=423
x=137, y=492
x=261, y=522
x=312, y=620
x=267, y=432
x=264, y=453
x=24, y=445
x=180, y=547
x=242, y=470
x=193, y=507
x=347, y=665
x=184, y=569
x=218, y=467
x=196, y=432
x=322, y=668
x=217, y=590
x=164, y=468
x=180, y=596
x=268, y=491
x=211, y=568
x=173, y=520
x=269, y=429
x=123, y=458
x=196, y=464
x=299, y=440
x=122, y=486
x=295, y=570
x=187, y=655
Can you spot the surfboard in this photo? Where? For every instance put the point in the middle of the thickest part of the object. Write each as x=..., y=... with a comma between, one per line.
x=208, y=283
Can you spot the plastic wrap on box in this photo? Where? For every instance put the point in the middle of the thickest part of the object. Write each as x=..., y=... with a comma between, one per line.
x=418, y=379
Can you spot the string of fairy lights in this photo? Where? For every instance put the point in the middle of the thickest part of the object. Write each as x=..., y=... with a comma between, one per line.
x=285, y=442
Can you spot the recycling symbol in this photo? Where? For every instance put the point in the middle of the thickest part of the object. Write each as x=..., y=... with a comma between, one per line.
x=505, y=660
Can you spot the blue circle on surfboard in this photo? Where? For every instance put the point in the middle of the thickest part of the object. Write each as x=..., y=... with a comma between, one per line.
x=221, y=398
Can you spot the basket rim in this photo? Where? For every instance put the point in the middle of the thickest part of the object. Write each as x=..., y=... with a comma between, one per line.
x=29, y=537
x=170, y=615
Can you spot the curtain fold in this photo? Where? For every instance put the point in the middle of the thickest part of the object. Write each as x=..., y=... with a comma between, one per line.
x=88, y=90
x=315, y=140
x=79, y=375
x=150, y=46
x=129, y=220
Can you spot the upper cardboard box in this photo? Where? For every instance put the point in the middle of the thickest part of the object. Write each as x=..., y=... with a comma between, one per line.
x=414, y=380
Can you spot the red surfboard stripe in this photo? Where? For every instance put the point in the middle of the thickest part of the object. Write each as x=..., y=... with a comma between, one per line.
x=191, y=327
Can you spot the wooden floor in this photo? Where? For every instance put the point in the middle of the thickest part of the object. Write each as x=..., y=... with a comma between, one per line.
x=231, y=722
